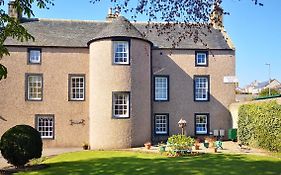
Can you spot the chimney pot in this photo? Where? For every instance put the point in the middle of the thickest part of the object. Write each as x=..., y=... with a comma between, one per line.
x=110, y=16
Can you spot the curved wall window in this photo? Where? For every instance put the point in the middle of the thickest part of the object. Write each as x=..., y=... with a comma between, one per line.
x=121, y=52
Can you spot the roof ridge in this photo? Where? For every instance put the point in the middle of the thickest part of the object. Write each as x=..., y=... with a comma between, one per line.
x=64, y=20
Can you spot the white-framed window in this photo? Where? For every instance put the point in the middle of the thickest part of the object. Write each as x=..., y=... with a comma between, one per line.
x=121, y=104
x=45, y=126
x=201, y=88
x=161, y=123
x=201, y=58
x=77, y=87
x=201, y=124
x=34, y=56
x=161, y=88
x=121, y=52
x=34, y=86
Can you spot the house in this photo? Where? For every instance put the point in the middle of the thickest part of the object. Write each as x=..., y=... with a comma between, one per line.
x=256, y=87
x=107, y=84
x=278, y=88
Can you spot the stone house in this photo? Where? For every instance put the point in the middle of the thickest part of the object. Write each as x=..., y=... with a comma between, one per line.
x=106, y=84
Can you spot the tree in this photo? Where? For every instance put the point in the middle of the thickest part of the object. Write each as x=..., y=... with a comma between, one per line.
x=11, y=26
x=265, y=92
x=186, y=17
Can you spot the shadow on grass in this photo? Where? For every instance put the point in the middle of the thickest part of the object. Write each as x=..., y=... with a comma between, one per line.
x=204, y=164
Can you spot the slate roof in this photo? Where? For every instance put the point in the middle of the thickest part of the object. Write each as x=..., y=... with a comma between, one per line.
x=262, y=85
x=71, y=33
x=120, y=27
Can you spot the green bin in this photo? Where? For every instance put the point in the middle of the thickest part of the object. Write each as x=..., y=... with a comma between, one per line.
x=232, y=134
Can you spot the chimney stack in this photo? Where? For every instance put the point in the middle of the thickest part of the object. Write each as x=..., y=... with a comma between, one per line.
x=12, y=11
x=216, y=17
x=111, y=16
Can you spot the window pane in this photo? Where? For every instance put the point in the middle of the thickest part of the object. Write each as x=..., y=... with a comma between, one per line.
x=201, y=124
x=161, y=124
x=121, y=52
x=201, y=58
x=34, y=87
x=161, y=88
x=45, y=125
x=77, y=87
x=201, y=88
x=34, y=56
x=121, y=104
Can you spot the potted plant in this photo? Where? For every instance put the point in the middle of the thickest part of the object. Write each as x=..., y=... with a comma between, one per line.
x=162, y=147
x=85, y=146
x=206, y=143
x=147, y=145
x=197, y=144
x=209, y=142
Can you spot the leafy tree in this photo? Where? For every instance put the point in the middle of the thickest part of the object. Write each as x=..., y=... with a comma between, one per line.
x=186, y=17
x=11, y=26
x=265, y=92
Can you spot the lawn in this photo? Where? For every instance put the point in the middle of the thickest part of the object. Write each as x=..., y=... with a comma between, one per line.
x=130, y=163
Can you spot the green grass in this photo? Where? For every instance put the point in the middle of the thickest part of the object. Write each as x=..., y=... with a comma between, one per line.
x=135, y=163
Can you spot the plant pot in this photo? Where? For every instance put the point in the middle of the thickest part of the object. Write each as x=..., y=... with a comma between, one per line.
x=162, y=149
x=86, y=147
x=147, y=146
x=206, y=145
x=215, y=149
x=197, y=147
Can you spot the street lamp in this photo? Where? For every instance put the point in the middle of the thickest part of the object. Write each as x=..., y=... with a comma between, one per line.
x=182, y=124
x=267, y=64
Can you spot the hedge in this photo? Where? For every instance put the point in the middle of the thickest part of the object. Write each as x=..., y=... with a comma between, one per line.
x=259, y=125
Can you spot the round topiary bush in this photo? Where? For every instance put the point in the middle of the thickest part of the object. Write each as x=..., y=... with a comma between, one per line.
x=20, y=144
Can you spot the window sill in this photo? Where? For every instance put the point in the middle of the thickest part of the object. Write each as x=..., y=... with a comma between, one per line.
x=116, y=117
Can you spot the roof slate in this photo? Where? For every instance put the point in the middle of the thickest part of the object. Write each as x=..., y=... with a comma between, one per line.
x=70, y=33
x=119, y=27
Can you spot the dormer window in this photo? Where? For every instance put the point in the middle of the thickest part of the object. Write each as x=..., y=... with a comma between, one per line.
x=34, y=56
x=201, y=58
x=121, y=52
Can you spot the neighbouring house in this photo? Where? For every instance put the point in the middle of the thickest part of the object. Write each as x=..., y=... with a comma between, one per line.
x=256, y=87
x=279, y=88
x=107, y=84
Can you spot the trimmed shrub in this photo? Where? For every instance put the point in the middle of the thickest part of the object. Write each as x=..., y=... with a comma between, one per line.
x=259, y=125
x=180, y=142
x=20, y=144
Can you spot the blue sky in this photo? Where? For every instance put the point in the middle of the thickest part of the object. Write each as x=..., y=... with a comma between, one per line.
x=255, y=31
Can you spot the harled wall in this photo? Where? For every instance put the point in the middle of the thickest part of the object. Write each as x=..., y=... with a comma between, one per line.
x=56, y=64
x=107, y=132
x=180, y=66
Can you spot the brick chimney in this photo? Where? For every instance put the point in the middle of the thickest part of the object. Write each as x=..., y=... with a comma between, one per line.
x=216, y=17
x=12, y=11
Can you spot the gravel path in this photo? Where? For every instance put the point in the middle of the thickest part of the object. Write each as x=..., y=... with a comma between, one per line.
x=46, y=152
